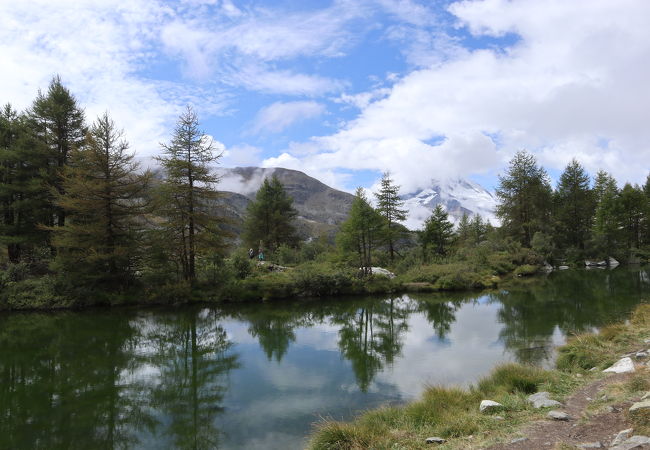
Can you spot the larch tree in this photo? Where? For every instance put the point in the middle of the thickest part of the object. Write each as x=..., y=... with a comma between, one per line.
x=103, y=195
x=361, y=231
x=188, y=194
x=270, y=217
x=524, y=198
x=58, y=121
x=390, y=206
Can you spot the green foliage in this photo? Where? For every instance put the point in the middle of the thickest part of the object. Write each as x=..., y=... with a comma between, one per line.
x=526, y=270
x=269, y=218
x=390, y=207
x=524, y=198
x=574, y=207
x=57, y=122
x=242, y=264
x=514, y=378
x=361, y=232
x=187, y=196
x=101, y=197
x=437, y=233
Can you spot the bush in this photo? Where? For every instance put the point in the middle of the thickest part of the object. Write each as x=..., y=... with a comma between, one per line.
x=513, y=378
x=34, y=293
x=526, y=270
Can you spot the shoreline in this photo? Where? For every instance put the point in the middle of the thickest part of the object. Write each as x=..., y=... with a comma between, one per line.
x=453, y=417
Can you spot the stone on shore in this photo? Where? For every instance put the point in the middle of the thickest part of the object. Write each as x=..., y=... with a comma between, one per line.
x=558, y=415
x=489, y=405
x=542, y=400
x=623, y=365
x=632, y=443
x=435, y=440
x=621, y=437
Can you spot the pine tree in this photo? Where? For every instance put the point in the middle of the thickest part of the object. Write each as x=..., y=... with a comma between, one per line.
x=524, y=196
x=23, y=190
x=630, y=212
x=438, y=232
x=574, y=207
x=188, y=195
x=102, y=195
x=390, y=206
x=361, y=231
x=463, y=230
x=59, y=124
x=478, y=229
x=605, y=232
x=270, y=217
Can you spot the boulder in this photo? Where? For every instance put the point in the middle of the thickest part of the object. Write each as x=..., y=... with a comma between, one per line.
x=623, y=365
x=489, y=405
x=640, y=411
x=621, y=437
x=558, y=415
x=595, y=263
x=377, y=271
x=646, y=396
x=611, y=262
x=543, y=400
x=435, y=440
x=640, y=355
x=563, y=267
x=632, y=443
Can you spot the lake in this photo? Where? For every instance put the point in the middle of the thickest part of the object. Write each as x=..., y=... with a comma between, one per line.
x=258, y=376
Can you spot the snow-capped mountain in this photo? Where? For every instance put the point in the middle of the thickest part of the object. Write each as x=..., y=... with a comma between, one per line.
x=457, y=196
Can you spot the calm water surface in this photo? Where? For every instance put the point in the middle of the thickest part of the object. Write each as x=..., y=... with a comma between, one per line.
x=258, y=376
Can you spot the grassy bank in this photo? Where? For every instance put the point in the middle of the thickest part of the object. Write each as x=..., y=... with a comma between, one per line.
x=453, y=413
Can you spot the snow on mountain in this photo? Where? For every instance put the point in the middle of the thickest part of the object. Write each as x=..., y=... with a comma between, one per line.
x=456, y=195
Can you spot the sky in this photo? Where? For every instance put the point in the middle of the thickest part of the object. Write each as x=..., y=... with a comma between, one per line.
x=345, y=90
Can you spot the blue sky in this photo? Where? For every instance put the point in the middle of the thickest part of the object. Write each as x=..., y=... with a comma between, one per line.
x=344, y=89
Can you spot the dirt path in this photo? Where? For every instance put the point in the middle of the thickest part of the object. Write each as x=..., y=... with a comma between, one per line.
x=600, y=428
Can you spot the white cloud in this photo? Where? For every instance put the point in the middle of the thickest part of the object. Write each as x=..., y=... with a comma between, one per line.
x=576, y=76
x=280, y=115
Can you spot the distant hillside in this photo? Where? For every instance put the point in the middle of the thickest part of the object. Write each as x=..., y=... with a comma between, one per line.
x=320, y=208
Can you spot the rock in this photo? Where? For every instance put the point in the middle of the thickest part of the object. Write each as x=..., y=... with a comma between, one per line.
x=595, y=263
x=489, y=405
x=435, y=440
x=593, y=369
x=547, y=267
x=646, y=396
x=591, y=445
x=498, y=418
x=623, y=365
x=621, y=437
x=563, y=267
x=542, y=400
x=633, y=442
x=558, y=415
x=380, y=271
x=521, y=439
x=578, y=375
x=640, y=355
x=646, y=341
x=611, y=262
x=640, y=406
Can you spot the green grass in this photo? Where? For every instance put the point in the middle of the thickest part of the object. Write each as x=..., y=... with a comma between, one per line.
x=453, y=413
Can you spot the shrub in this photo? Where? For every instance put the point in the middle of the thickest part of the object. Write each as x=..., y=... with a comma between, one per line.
x=513, y=378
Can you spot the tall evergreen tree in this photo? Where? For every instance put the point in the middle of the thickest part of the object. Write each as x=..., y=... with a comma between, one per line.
x=524, y=196
x=102, y=194
x=23, y=190
x=574, y=207
x=605, y=232
x=438, y=232
x=631, y=209
x=463, y=230
x=270, y=217
x=361, y=231
x=390, y=206
x=188, y=194
x=59, y=124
